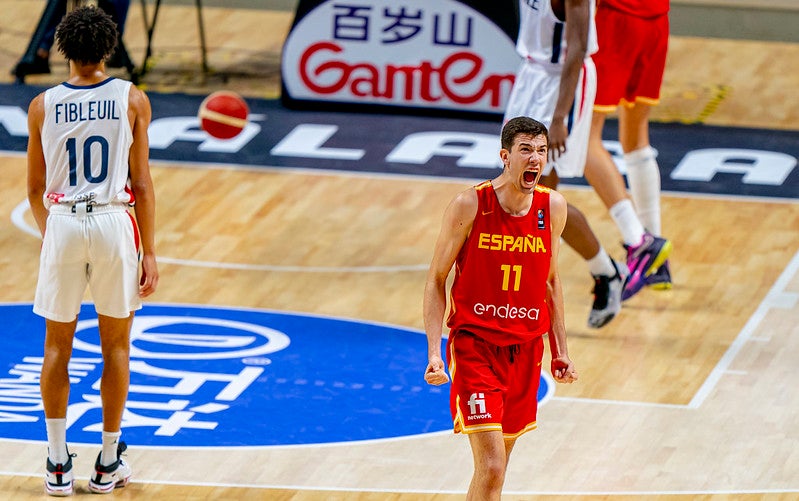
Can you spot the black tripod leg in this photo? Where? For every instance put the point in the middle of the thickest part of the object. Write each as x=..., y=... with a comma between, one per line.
x=201, y=29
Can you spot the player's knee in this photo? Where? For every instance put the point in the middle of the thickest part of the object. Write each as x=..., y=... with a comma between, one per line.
x=494, y=475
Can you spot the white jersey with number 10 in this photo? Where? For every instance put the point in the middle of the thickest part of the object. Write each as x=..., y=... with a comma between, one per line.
x=86, y=139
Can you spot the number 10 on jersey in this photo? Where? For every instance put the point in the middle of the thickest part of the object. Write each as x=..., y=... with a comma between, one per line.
x=72, y=151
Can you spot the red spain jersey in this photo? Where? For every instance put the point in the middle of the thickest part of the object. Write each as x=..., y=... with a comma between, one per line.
x=500, y=286
x=638, y=8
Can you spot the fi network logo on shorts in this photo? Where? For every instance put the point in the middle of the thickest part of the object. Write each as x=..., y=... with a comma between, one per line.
x=477, y=407
x=206, y=376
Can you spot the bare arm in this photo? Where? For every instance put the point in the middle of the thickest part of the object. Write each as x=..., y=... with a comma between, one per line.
x=578, y=21
x=140, y=114
x=455, y=228
x=37, y=170
x=562, y=367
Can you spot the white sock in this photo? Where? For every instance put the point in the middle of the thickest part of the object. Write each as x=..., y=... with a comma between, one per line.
x=643, y=177
x=601, y=264
x=57, y=440
x=109, y=454
x=623, y=213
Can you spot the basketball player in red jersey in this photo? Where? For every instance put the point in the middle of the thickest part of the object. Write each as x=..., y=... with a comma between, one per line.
x=503, y=237
x=633, y=40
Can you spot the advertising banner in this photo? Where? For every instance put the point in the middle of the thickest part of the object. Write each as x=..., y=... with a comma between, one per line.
x=418, y=55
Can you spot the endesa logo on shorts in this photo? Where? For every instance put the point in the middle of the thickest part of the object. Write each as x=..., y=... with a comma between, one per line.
x=206, y=376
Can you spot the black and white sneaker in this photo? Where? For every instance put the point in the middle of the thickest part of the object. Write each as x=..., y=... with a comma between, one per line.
x=607, y=296
x=58, y=478
x=113, y=476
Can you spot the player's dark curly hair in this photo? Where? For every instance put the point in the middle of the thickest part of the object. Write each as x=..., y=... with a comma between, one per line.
x=521, y=125
x=86, y=35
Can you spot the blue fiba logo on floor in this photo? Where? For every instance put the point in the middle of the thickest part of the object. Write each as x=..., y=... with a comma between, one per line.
x=206, y=376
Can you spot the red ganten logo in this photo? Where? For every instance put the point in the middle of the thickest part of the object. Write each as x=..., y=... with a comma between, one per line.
x=411, y=53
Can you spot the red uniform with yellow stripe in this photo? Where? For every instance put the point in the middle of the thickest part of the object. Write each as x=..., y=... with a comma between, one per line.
x=633, y=42
x=498, y=313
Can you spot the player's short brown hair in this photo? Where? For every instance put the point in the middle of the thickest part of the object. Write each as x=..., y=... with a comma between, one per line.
x=521, y=125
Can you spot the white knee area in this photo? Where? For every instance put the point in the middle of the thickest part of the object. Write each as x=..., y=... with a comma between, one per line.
x=643, y=177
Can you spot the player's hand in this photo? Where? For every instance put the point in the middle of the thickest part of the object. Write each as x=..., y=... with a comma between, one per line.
x=149, y=276
x=563, y=370
x=558, y=133
x=435, y=373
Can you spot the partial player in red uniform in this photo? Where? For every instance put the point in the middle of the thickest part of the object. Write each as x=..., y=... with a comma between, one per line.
x=503, y=237
x=633, y=40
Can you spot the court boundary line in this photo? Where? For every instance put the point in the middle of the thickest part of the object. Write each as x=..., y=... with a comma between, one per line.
x=437, y=491
x=776, y=297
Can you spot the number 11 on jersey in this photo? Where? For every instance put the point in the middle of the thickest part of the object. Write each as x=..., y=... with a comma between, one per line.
x=516, y=272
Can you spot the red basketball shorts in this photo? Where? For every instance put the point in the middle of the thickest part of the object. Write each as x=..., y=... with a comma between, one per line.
x=631, y=58
x=494, y=388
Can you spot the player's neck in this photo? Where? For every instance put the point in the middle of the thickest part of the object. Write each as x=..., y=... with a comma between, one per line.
x=512, y=200
x=86, y=74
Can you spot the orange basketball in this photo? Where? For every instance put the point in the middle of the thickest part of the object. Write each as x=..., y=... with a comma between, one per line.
x=223, y=114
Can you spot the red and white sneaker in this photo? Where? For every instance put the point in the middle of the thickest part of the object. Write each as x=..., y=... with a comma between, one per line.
x=113, y=476
x=58, y=478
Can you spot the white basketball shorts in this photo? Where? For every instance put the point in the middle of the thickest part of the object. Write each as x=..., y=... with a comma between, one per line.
x=98, y=249
x=535, y=94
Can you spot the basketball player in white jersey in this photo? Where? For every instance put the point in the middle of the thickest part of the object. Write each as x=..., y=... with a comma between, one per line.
x=88, y=139
x=557, y=85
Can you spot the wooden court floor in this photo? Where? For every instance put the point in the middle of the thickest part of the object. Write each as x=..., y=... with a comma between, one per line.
x=690, y=394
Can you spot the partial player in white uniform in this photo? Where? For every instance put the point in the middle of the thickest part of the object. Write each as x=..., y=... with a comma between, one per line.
x=88, y=156
x=548, y=75
x=556, y=84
